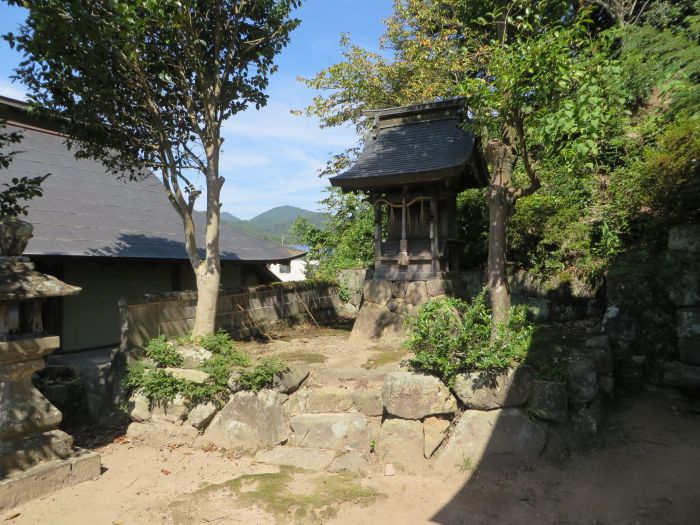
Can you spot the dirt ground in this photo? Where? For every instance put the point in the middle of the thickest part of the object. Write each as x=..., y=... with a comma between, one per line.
x=643, y=468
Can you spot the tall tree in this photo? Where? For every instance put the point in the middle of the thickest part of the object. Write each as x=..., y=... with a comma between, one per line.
x=146, y=85
x=529, y=72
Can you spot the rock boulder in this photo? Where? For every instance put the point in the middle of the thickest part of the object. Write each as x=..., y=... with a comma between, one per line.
x=504, y=435
x=548, y=401
x=289, y=381
x=486, y=391
x=413, y=396
x=249, y=421
x=401, y=443
x=329, y=431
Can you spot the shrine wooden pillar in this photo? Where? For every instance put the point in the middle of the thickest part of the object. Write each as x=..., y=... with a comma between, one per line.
x=377, y=231
x=434, y=235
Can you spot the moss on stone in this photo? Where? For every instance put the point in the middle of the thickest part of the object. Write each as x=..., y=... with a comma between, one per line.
x=385, y=356
x=296, y=494
x=301, y=357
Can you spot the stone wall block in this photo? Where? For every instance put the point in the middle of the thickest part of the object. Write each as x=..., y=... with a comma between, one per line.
x=582, y=379
x=684, y=288
x=377, y=291
x=506, y=435
x=289, y=381
x=249, y=421
x=689, y=350
x=329, y=431
x=548, y=401
x=434, y=433
x=175, y=328
x=401, y=443
x=436, y=287
x=681, y=375
x=413, y=396
x=328, y=399
x=368, y=401
x=688, y=322
x=398, y=289
x=201, y=415
x=375, y=321
x=685, y=238
x=416, y=293
x=486, y=391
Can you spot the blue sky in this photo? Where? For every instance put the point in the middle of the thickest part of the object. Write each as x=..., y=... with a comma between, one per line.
x=270, y=157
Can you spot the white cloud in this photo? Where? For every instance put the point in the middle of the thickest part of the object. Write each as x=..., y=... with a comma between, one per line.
x=11, y=90
x=275, y=122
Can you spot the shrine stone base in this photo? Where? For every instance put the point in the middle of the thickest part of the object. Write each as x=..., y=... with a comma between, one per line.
x=387, y=302
x=44, y=478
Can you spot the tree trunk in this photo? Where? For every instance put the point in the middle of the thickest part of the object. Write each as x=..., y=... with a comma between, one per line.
x=208, y=272
x=499, y=210
x=502, y=156
x=208, y=279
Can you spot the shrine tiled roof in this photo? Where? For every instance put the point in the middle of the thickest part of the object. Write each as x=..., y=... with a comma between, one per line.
x=412, y=144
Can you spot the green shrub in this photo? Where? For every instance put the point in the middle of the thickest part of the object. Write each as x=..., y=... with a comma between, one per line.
x=219, y=342
x=451, y=336
x=156, y=384
x=159, y=386
x=163, y=352
x=261, y=375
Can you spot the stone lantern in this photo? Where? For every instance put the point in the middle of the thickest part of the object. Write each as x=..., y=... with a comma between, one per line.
x=35, y=456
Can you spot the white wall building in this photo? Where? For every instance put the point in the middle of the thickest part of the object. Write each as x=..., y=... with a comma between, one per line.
x=293, y=271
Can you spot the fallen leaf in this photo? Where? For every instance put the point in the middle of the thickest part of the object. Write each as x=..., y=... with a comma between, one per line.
x=164, y=471
x=13, y=516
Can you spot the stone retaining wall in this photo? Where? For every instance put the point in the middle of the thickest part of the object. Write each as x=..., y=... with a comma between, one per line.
x=243, y=312
x=653, y=312
x=684, y=293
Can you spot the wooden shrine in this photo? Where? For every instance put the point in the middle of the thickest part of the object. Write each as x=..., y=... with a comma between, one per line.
x=412, y=168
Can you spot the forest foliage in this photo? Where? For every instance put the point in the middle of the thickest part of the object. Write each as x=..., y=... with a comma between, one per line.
x=617, y=158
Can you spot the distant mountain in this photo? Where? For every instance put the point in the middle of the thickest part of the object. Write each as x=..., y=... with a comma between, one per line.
x=229, y=217
x=274, y=224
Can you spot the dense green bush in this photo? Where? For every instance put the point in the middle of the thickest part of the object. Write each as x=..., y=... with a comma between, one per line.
x=162, y=352
x=450, y=336
x=262, y=374
x=149, y=376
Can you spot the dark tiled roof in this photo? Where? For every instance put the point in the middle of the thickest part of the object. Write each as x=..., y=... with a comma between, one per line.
x=412, y=151
x=86, y=211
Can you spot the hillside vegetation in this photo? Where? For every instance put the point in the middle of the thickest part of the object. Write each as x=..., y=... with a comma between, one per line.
x=275, y=224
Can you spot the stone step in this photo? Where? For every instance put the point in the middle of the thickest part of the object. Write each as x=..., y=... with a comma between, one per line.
x=339, y=431
x=350, y=376
x=333, y=399
x=304, y=458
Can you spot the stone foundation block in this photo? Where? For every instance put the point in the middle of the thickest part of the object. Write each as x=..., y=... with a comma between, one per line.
x=368, y=401
x=329, y=431
x=548, y=401
x=401, y=443
x=413, y=396
x=304, y=458
x=505, y=435
x=45, y=478
x=688, y=322
x=249, y=422
x=434, y=433
x=486, y=391
x=679, y=374
x=689, y=350
x=377, y=291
